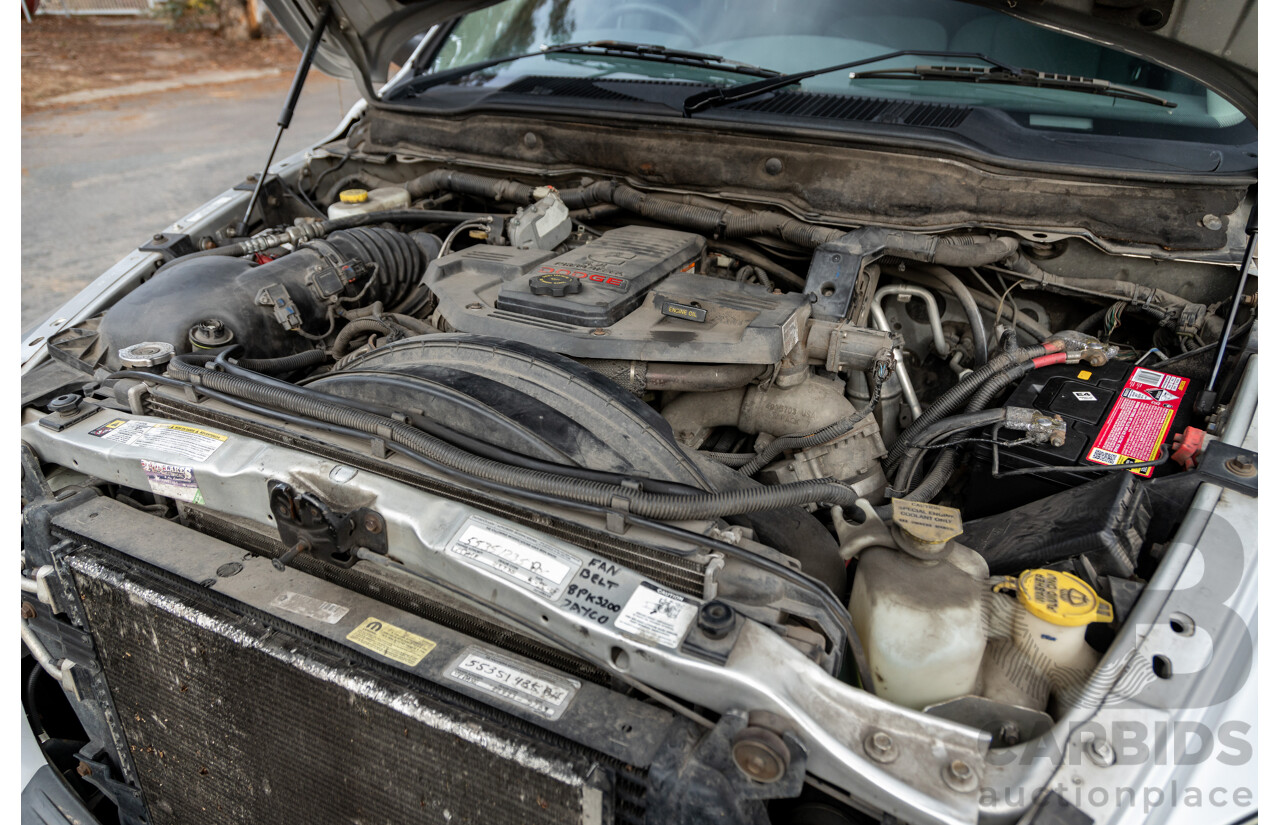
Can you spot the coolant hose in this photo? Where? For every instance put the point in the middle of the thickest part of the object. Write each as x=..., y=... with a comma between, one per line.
x=958, y=394
x=615, y=496
x=937, y=477
x=284, y=364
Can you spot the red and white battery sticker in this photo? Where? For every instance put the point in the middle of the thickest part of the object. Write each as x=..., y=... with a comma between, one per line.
x=1139, y=420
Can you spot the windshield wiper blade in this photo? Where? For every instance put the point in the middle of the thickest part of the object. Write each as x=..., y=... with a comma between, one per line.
x=713, y=98
x=600, y=48
x=1015, y=77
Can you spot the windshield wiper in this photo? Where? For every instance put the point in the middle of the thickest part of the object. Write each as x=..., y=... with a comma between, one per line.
x=1016, y=77
x=713, y=98
x=595, y=48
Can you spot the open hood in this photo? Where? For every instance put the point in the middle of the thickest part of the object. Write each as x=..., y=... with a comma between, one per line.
x=1215, y=44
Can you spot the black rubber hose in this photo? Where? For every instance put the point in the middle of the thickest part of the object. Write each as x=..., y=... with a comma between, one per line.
x=482, y=186
x=957, y=395
x=937, y=477
x=285, y=364
x=358, y=327
x=656, y=506
x=800, y=441
x=970, y=306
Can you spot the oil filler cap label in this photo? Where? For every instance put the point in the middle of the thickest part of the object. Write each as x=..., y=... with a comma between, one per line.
x=1139, y=422
x=685, y=311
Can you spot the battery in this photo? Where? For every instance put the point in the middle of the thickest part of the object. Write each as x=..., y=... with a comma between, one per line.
x=1115, y=414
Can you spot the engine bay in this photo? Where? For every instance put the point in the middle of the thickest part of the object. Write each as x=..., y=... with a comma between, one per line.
x=939, y=466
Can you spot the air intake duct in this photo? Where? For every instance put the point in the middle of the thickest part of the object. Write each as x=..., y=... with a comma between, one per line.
x=271, y=309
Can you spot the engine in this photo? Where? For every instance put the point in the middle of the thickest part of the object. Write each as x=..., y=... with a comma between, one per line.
x=661, y=359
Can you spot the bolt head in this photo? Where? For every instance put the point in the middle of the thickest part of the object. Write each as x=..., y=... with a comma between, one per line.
x=1100, y=753
x=960, y=776
x=28, y=610
x=880, y=747
x=1211, y=222
x=761, y=754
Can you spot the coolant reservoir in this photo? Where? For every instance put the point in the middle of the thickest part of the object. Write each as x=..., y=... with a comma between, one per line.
x=918, y=609
x=1038, y=646
x=359, y=201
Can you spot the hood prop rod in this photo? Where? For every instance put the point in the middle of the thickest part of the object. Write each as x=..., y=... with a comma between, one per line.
x=290, y=103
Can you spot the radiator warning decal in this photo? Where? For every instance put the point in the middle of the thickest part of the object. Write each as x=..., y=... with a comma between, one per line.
x=1139, y=422
x=178, y=439
x=395, y=643
x=657, y=615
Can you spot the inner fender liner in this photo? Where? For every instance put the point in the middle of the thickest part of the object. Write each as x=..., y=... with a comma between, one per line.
x=520, y=398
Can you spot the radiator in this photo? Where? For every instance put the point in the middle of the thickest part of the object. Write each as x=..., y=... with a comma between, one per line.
x=237, y=717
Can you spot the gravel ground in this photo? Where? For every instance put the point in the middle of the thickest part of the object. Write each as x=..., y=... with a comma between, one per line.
x=98, y=179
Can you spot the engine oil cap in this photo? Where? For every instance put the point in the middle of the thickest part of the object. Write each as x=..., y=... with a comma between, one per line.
x=557, y=284
x=353, y=195
x=1061, y=598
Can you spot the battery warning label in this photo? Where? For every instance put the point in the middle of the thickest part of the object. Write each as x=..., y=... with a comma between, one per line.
x=1139, y=422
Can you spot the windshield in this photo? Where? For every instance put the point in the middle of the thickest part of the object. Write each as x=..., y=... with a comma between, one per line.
x=795, y=35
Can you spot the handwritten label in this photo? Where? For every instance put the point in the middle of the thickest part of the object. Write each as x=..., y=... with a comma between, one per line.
x=517, y=557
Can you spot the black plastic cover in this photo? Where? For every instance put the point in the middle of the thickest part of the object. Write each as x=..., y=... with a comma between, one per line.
x=1104, y=521
x=616, y=271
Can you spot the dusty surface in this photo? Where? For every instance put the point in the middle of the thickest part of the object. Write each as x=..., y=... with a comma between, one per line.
x=62, y=55
x=99, y=179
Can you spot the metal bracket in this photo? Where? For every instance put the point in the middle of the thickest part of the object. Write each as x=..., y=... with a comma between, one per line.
x=309, y=525
x=1232, y=467
x=126, y=798
x=169, y=244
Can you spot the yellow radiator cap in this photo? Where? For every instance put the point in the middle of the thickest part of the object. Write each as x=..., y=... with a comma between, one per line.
x=1061, y=598
x=353, y=195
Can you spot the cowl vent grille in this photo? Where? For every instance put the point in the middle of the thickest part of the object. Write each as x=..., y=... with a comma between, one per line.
x=865, y=109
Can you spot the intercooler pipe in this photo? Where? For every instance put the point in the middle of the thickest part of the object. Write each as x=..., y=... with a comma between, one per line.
x=452, y=461
x=657, y=376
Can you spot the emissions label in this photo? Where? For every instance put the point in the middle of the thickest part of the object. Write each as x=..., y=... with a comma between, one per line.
x=657, y=615
x=541, y=692
x=173, y=481
x=178, y=439
x=395, y=643
x=1139, y=422
x=515, y=556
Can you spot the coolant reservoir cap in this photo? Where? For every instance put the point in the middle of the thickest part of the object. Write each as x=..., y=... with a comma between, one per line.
x=927, y=523
x=1061, y=598
x=353, y=195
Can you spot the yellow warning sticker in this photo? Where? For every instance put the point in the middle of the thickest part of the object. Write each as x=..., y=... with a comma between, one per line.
x=390, y=641
x=1084, y=375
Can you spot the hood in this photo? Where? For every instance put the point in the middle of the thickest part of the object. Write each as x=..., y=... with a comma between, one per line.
x=1213, y=42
